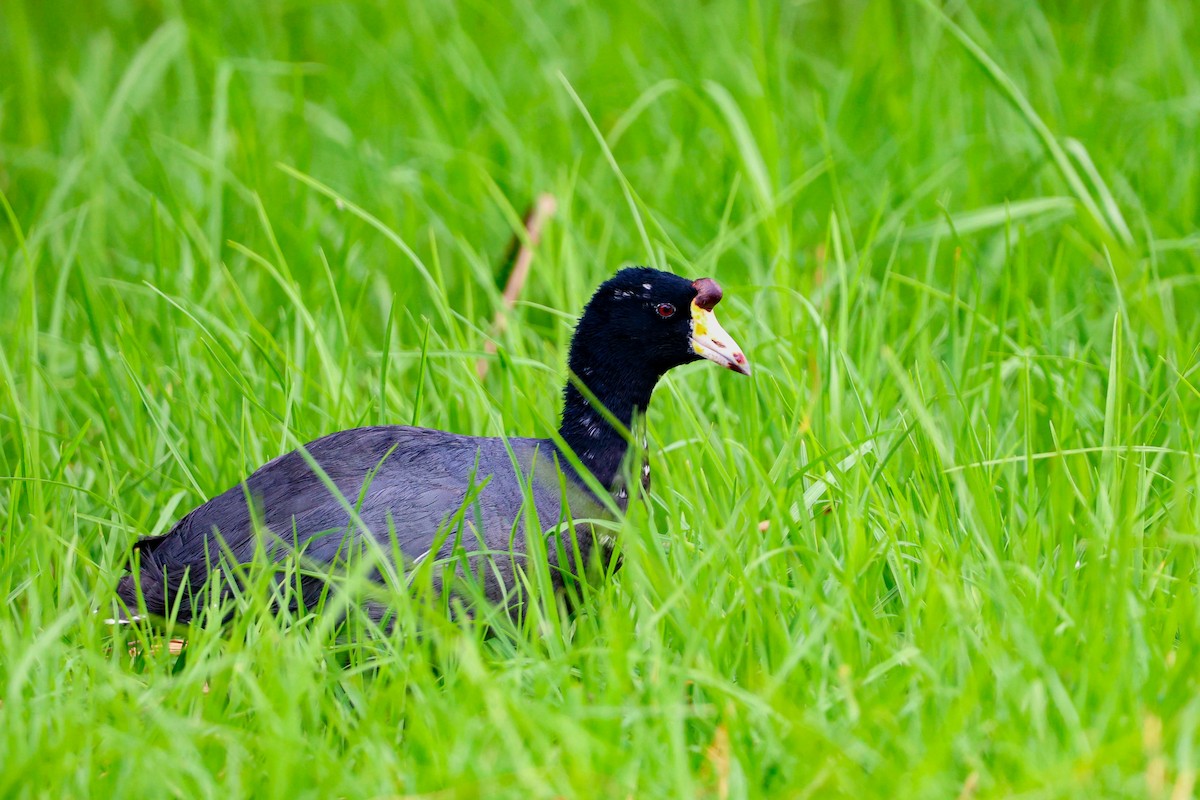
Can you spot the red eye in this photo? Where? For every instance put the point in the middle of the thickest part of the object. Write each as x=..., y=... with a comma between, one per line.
x=665, y=310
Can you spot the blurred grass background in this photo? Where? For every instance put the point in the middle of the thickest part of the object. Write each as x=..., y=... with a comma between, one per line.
x=942, y=544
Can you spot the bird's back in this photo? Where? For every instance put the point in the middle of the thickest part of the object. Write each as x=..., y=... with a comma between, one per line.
x=407, y=488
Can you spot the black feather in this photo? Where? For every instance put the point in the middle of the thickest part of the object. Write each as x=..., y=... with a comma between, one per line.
x=410, y=482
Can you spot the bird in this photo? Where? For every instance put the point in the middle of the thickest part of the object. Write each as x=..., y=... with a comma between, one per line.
x=425, y=493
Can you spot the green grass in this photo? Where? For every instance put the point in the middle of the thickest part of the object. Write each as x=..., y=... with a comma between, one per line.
x=943, y=543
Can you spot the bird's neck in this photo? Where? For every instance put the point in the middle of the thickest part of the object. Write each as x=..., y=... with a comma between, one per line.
x=600, y=446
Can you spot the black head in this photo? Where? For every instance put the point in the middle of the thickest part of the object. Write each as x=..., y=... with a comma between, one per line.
x=647, y=321
x=639, y=324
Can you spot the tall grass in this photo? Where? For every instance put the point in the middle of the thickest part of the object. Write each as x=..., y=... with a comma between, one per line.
x=944, y=543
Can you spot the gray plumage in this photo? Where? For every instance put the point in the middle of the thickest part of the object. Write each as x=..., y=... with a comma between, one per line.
x=404, y=485
x=428, y=494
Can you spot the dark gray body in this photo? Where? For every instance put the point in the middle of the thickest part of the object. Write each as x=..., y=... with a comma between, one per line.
x=408, y=487
x=413, y=488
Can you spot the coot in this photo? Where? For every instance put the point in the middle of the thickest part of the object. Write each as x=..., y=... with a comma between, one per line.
x=431, y=494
